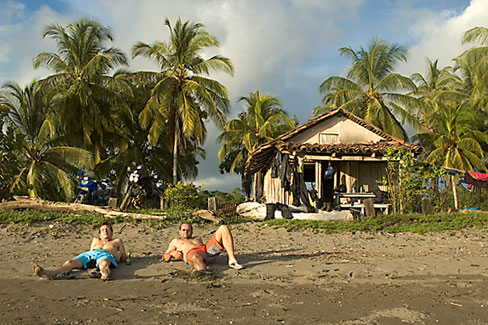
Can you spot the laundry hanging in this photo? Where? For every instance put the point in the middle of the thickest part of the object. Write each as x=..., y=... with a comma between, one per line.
x=476, y=179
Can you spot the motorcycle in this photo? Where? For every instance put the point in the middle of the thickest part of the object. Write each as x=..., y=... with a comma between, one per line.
x=142, y=191
x=91, y=191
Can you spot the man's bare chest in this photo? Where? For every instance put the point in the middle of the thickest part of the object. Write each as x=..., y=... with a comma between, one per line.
x=105, y=245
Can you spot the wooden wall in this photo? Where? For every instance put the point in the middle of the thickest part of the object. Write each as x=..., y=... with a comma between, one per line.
x=368, y=174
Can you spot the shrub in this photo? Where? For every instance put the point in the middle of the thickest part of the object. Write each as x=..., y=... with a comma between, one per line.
x=183, y=195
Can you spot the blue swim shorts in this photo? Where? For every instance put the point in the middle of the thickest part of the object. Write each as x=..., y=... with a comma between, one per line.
x=96, y=256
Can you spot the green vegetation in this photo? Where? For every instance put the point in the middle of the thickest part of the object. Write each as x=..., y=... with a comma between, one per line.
x=183, y=96
x=371, y=90
x=416, y=223
x=263, y=120
x=409, y=180
x=31, y=216
x=91, y=113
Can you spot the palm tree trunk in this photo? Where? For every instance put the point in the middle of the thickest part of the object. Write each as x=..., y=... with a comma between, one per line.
x=175, y=159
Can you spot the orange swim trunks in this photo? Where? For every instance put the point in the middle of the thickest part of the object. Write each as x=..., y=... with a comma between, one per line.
x=207, y=251
x=213, y=247
x=200, y=249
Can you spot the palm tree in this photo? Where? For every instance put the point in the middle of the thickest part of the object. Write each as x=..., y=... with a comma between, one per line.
x=263, y=120
x=45, y=163
x=133, y=148
x=457, y=144
x=183, y=96
x=371, y=89
x=87, y=95
x=438, y=87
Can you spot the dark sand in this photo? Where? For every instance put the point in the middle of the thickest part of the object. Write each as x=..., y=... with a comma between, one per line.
x=299, y=277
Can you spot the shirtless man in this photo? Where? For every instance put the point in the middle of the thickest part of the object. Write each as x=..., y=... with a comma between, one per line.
x=103, y=253
x=194, y=252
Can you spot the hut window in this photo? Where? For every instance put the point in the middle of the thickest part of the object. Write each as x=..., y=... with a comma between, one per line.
x=325, y=138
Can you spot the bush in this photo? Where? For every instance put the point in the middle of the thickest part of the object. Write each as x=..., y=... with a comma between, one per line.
x=183, y=195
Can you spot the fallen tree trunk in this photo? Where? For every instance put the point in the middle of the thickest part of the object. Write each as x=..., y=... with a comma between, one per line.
x=207, y=215
x=44, y=205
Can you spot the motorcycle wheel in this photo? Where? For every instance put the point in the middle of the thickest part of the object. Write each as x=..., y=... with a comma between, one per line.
x=79, y=200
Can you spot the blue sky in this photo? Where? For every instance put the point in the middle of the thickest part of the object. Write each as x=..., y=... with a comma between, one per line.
x=282, y=47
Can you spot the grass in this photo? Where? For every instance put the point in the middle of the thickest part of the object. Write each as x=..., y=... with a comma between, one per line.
x=416, y=223
x=174, y=216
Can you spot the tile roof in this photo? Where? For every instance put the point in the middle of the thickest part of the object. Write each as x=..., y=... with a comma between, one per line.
x=261, y=157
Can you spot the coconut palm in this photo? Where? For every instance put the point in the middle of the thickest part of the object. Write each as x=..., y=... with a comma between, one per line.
x=263, y=120
x=371, y=89
x=87, y=95
x=45, y=163
x=437, y=87
x=457, y=144
x=133, y=148
x=473, y=65
x=183, y=96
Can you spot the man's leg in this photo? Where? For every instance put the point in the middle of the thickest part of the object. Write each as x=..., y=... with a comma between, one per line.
x=66, y=267
x=104, y=266
x=198, y=262
x=224, y=238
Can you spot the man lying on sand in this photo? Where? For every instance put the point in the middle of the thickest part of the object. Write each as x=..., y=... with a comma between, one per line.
x=194, y=252
x=104, y=252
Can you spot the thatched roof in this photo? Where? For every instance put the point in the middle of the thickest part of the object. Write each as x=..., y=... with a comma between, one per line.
x=261, y=157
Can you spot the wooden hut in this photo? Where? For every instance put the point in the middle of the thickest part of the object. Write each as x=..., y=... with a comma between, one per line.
x=354, y=148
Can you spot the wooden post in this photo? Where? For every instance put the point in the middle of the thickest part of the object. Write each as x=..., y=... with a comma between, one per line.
x=479, y=198
x=454, y=193
x=318, y=178
x=212, y=204
x=112, y=202
x=369, y=208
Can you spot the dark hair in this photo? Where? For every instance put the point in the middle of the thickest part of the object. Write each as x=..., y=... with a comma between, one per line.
x=186, y=223
x=109, y=226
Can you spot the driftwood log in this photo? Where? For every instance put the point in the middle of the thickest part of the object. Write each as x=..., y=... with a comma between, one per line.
x=207, y=215
x=22, y=202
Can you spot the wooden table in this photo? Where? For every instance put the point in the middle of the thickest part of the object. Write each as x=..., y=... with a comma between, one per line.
x=385, y=208
x=352, y=196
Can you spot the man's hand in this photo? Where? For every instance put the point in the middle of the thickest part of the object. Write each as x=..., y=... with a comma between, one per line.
x=175, y=254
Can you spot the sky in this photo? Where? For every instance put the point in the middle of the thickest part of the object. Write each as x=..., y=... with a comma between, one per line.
x=285, y=48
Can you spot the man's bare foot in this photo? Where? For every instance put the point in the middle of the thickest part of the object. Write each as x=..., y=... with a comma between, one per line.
x=39, y=271
x=105, y=274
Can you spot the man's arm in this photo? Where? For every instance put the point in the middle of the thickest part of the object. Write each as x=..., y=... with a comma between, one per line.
x=93, y=243
x=172, y=252
x=123, y=253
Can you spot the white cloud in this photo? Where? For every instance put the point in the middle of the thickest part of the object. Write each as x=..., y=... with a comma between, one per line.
x=440, y=36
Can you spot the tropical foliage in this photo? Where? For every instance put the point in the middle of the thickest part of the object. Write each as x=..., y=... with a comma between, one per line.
x=263, y=120
x=91, y=113
x=371, y=90
x=87, y=97
x=183, y=96
x=46, y=162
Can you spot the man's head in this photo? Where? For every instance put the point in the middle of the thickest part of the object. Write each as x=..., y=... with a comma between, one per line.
x=186, y=231
x=106, y=231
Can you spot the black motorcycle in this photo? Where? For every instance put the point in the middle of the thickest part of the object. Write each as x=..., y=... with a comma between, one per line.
x=143, y=191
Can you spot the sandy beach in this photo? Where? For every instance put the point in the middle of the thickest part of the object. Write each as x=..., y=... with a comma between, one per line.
x=296, y=277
